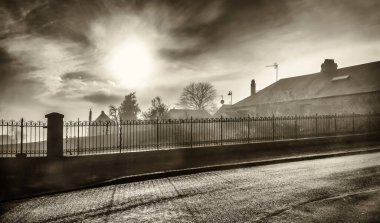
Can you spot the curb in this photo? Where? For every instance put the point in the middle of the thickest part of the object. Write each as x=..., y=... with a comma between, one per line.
x=158, y=175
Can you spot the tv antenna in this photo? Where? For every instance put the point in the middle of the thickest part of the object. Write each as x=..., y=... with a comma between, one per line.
x=275, y=66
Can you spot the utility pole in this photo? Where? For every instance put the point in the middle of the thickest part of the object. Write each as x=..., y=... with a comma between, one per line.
x=275, y=66
x=230, y=94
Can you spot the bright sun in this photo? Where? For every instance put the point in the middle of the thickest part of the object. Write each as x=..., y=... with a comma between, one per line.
x=131, y=62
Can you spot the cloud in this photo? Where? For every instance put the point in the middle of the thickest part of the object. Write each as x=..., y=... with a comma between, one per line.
x=79, y=75
x=224, y=77
x=103, y=98
x=14, y=85
x=7, y=71
x=180, y=54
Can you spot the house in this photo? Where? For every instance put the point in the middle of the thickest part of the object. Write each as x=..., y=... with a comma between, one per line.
x=226, y=112
x=187, y=114
x=103, y=118
x=354, y=89
x=102, y=125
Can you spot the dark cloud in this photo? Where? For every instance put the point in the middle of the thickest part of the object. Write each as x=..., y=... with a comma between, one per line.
x=79, y=75
x=17, y=91
x=11, y=71
x=246, y=21
x=236, y=21
x=71, y=19
x=6, y=70
x=103, y=98
x=57, y=19
x=13, y=76
x=181, y=54
x=237, y=18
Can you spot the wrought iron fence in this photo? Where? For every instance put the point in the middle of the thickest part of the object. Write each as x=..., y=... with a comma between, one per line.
x=83, y=138
x=22, y=137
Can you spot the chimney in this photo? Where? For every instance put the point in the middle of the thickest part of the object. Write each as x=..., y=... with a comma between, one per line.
x=253, y=87
x=329, y=66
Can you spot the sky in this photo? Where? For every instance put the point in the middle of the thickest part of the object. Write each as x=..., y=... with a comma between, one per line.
x=73, y=55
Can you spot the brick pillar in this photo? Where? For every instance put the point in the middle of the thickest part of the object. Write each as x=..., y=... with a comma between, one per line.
x=54, y=135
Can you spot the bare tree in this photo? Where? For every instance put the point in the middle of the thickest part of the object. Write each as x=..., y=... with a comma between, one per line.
x=114, y=113
x=199, y=96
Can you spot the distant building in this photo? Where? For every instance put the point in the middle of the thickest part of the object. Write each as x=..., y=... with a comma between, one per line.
x=103, y=118
x=225, y=112
x=354, y=89
x=102, y=125
x=187, y=113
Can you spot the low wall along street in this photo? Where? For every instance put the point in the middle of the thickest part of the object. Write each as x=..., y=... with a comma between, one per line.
x=24, y=176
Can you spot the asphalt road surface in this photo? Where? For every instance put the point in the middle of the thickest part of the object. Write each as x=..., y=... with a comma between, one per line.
x=342, y=189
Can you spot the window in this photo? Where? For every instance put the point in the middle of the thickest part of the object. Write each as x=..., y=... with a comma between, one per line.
x=338, y=78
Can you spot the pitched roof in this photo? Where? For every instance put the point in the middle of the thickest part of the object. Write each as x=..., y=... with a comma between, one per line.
x=103, y=118
x=187, y=113
x=221, y=111
x=349, y=80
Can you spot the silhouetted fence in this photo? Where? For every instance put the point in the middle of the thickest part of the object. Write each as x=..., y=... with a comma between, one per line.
x=22, y=137
x=85, y=138
x=82, y=137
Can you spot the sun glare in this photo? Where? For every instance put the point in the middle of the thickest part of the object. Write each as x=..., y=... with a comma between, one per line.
x=131, y=62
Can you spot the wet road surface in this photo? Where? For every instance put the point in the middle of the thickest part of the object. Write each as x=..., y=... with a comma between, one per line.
x=342, y=189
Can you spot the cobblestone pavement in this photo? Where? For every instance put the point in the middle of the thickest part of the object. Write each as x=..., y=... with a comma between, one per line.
x=255, y=194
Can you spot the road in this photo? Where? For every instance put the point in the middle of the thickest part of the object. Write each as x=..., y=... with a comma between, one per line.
x=341, y=189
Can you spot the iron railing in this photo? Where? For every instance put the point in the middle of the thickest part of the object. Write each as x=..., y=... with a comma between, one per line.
x=22, y=137
x=84, y=138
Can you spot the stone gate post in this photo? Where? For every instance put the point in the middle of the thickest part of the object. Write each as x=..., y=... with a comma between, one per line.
x=54, y=135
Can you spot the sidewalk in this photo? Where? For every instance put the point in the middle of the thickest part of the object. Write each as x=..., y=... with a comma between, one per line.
x=14, y=188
